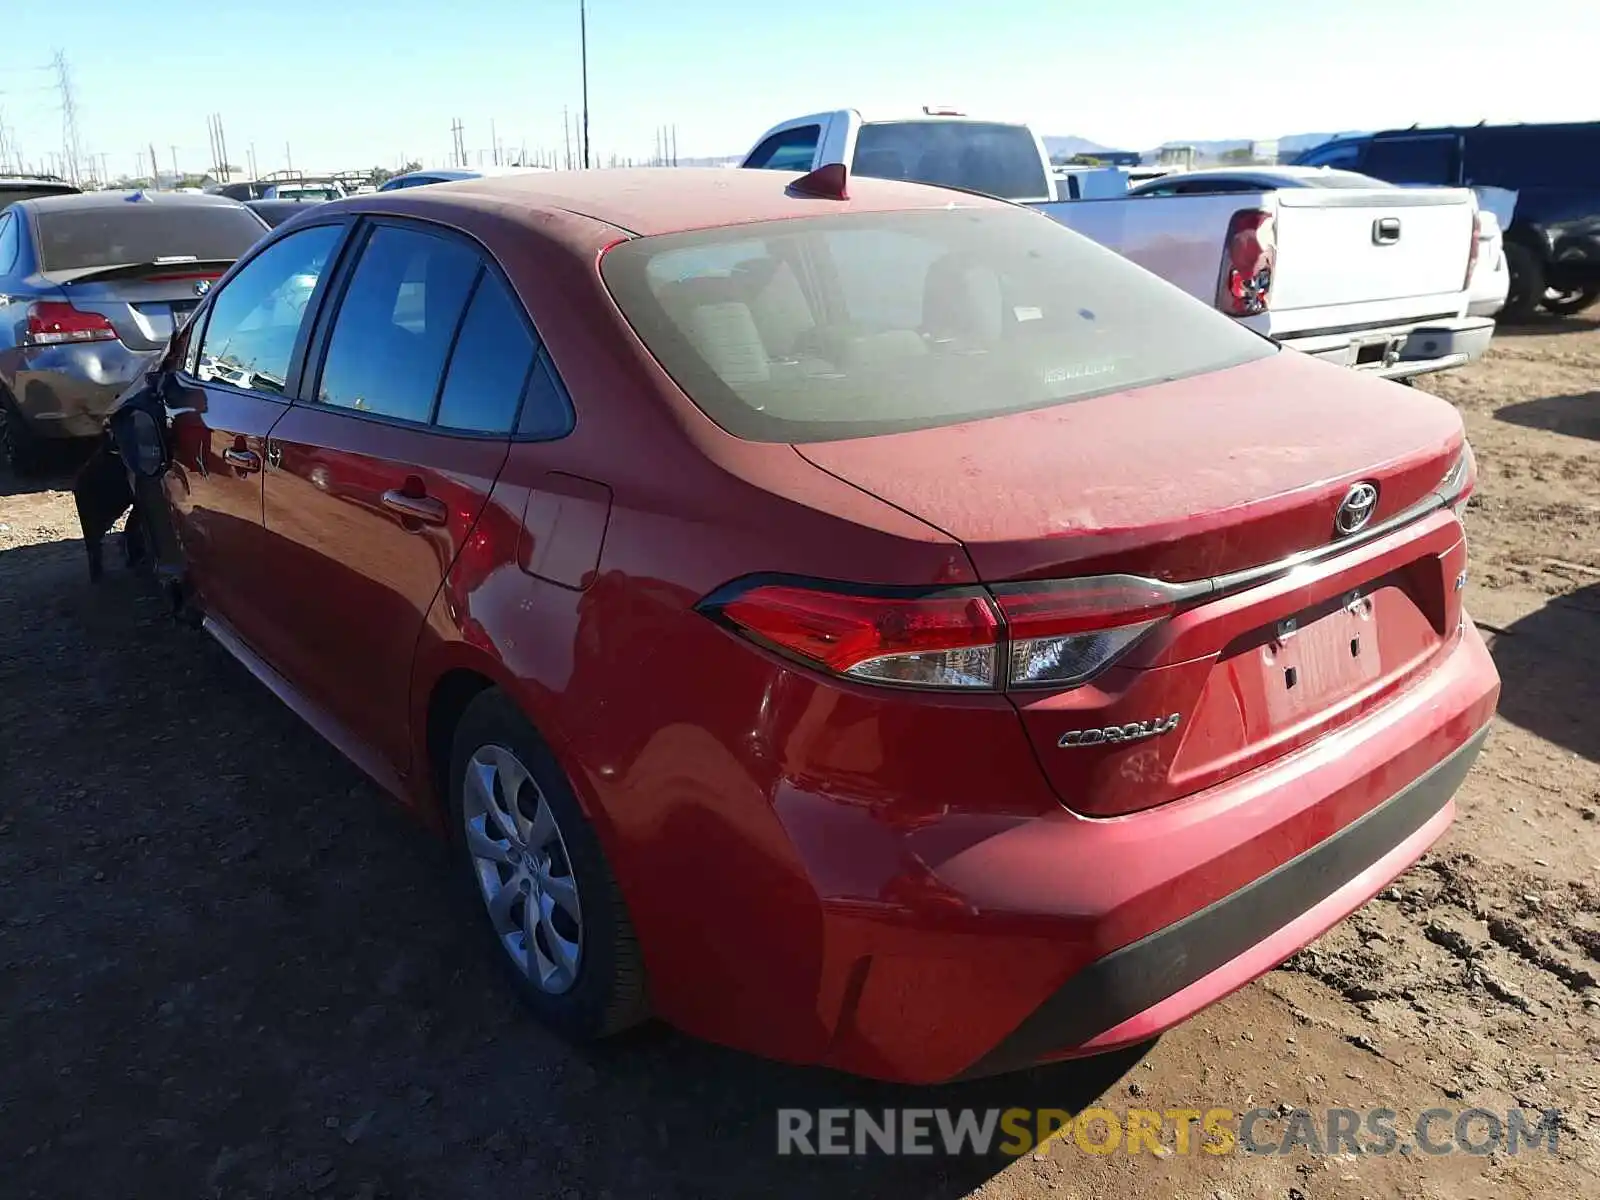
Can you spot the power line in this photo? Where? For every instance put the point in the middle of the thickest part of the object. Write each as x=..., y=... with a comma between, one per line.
x=70, y=149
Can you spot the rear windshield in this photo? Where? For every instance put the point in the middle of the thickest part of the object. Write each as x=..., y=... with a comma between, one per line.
x=997, y=160
x=834, y=327
x=103, y=236
x=10, y=193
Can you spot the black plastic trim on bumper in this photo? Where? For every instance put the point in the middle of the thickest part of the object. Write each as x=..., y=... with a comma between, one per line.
x=1127, y=981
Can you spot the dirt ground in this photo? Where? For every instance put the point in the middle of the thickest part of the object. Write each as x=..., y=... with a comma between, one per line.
x=228, y=968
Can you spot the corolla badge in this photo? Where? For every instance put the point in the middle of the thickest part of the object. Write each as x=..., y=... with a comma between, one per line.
x=202, y=286
x=1132, y=732
x=1359, y=503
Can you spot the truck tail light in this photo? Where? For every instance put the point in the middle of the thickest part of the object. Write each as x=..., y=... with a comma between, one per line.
x=55, y=323
x=1056, y=633
x=1248, y=257
x=1477, y=238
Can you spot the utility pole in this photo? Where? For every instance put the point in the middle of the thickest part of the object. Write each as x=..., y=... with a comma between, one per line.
x=566, y=134
x=253, y=174
x=583, y=45
x=674, y=144
x=155, y=168
x=288, y=156
x=105, y=171
x=494, y=142
x=69, y=117
x=175, y=175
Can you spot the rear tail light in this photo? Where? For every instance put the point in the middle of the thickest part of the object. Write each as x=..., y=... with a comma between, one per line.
x=1050, y=634
x=1060, y=633
x=1248, y=258
x=1477, y=236
x=1459, y=481
x=55, y=323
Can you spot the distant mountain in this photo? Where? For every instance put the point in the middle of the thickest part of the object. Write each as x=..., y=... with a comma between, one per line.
x=1065, y=147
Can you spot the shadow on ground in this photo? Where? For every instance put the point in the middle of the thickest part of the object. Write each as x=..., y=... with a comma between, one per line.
x=1545, y=325
x=1550, y=672
x=55, y=472
x=1575, y=416
x=228, y=966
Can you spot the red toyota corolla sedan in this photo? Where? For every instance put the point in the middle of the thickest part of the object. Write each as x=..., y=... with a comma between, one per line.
x=884, y=630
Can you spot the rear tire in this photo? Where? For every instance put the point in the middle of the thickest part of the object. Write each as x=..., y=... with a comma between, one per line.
x=551, y=905
x=19, y=446
x=1564, y=304
x=1526, y=292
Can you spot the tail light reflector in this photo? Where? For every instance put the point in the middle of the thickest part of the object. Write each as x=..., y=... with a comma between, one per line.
x=1030, y=635
x=1460, y=480
x=1248, y=257
x=1061, y=632
x=55, y=323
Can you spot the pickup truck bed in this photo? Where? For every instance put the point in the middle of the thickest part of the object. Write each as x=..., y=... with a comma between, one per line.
x=1371, y=279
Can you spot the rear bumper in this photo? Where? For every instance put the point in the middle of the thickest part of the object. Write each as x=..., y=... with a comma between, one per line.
x=1060, y=936
x=1402, y=351
x=65, y=391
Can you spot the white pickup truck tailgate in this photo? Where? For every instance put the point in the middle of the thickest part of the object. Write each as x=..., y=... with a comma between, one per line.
x=1338, y=247
x=1336, y=268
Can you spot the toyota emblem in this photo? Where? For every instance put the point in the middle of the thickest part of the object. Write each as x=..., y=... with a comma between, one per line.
x=1360, y=502
x=202, y=286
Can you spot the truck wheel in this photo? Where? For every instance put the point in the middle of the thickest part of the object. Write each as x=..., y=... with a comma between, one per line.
x=1526, y=292
x=18, y=445
x=1564, y=304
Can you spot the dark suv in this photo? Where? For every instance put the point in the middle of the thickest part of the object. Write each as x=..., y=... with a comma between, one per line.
x=1553, y=239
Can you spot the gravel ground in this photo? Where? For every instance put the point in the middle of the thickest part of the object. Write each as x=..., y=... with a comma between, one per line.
x=229, y=968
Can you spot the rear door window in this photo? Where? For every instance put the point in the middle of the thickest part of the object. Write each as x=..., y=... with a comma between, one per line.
x=255, y=318
x=10, y=244
x=1412, y=160
x=998, y=160
x=1534, y=156
x=490, y=364
x=788, y=150
x=395, y=325
x=1342, y=155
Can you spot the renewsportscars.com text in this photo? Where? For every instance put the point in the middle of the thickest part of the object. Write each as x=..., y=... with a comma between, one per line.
x=1013, y=1131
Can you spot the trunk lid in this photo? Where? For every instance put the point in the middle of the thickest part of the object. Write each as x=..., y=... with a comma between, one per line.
x=1184, y=482
x=145, y=302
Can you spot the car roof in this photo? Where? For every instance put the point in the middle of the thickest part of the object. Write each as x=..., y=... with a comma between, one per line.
x=656, y=200
x=118, y=199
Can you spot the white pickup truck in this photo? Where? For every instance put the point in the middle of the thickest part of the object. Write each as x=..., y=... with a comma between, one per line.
x=1375, y=279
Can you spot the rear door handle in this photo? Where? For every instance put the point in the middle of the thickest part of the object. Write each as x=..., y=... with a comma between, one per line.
x=417, y=508
x=242, y=460
x=1386, y=231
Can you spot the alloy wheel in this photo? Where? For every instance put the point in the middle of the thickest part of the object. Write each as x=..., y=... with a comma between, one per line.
x=523, y=869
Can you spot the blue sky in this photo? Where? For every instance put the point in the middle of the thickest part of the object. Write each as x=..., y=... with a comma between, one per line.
x=356, y=82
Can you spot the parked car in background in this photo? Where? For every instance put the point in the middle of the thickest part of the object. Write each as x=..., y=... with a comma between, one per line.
x=1490, y=280
x=883, y=630
x=27, y=187
x=276, y=212
x=429, y=175
x=90, y=287
x=1373, y=280
x=297, y=188
x=1552, y=242
x=938, y=146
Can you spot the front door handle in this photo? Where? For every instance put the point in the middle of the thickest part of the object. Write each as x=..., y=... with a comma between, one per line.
x=242, y=460
x=416, y=508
